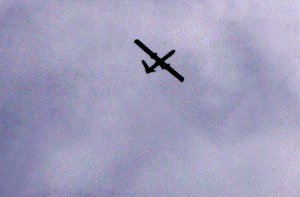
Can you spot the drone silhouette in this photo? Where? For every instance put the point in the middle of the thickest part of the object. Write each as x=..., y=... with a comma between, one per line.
x=158, y=61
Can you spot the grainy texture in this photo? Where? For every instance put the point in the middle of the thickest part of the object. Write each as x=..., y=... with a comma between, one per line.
x=79, y=116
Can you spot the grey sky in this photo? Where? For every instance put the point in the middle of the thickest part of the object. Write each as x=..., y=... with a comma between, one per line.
x=79, y=117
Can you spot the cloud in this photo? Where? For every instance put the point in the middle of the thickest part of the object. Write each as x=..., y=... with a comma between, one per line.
x=79, y=117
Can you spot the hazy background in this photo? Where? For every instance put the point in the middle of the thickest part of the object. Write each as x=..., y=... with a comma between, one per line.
x=79, y=116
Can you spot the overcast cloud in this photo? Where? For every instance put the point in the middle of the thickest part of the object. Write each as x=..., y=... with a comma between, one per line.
x=79, y=116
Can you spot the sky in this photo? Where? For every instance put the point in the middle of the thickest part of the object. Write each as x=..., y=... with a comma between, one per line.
x=79, y=116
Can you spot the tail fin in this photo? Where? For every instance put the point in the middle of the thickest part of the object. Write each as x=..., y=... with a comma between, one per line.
x=147, y=68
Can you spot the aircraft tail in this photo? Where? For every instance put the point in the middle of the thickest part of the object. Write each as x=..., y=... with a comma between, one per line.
x=147, y=68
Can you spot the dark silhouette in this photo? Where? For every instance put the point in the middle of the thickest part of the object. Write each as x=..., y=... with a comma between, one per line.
x=158, y=61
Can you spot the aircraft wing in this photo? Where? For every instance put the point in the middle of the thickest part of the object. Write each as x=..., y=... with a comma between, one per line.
x=163, y=59
x=146, y=49
x=174, y=73
x=170, y=69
